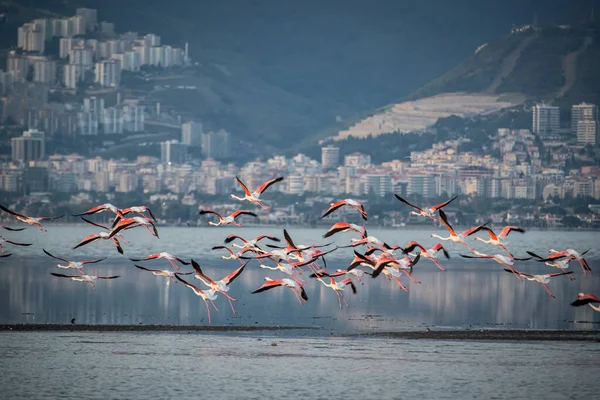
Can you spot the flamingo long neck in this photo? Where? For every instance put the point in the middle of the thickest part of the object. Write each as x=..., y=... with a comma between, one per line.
x=597, y=308
x=441, y=238
x=233, y=196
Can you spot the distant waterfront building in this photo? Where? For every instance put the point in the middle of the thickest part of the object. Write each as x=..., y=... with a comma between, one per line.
x=583, y=112
x=112, y=120
x=216, y=144
x=191, y=133
x=421, y=184
x=17, y=65
x=31, y=37
x=546, y=119
x=72, y=75
x=588, y=132
x=44, y=71
x=78, y=24
x=133, y=118
x=357, y=160
x=330, y=157
x=295, y=184
x=108, y=28
x=173, y=152
x=81, y=55
x=380, y=184
x=108, y=73
x=89, y=15
x=152, y=40
x=31, y=146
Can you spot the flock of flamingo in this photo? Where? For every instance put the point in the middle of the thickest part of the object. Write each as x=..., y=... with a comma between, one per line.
x=378, y=257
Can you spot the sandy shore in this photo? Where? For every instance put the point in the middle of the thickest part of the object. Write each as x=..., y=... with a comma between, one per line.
x=486, y=334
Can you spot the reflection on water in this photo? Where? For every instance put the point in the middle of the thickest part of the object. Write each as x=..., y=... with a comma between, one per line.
x=471, y=292
x=480, y=295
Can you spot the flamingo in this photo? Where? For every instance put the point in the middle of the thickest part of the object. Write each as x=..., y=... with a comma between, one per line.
x=296, y=287
x=34, y=221
x=426, y=212
x=136, y=209
x=456, y=237
x=543, y=279
x=358, y=273
x=430, y=254
x=163, y=272
x=78, y=265
x=170, y=258
x=84, y=278
x=230, y=219
x=102, y=208
x=128, y=223
x=406, y=264
x=496, y=240
x=568, y=253
x=501, y=259
x=583, y=299
x=4, y=240
x=100, y=236
x=248, y=243
x=204, y=294
x=221, y=286
x=232, y=255
x=560, y=264
x=373, y=241
x=254, y=197
x=345, y=227
x=288, y=267
x=347, y=202
x=339, y=287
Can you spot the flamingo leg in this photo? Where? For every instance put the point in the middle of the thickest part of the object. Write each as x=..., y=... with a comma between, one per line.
x=586, y=269
x=339, y=299
x=207, y=309
x=298, y=296
x=548, y=290
x=230, y=303
x=213, y=304
x=174, y=265
x=264, y=207
x=437, y=264
x=411, y=277
x=343, y=298
x=399, y=282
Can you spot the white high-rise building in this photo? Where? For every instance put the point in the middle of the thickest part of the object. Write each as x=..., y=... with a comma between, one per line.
x=582, y=112
x=78, y=23
x=30, y=146
x=546, y=119
x=90, y=16
x=112, y=121
x=108, y=73
x=587, y=132
x=17, y=65
x=173, y=152
x=330, y=157
x=130, y=60
x=152, y=40
x=65, y=46
x=66, y=27
x=191, y=133
x=45, y=25
x=81, y=55
x=133, y=118
x=87, y=124
x=73, y=74
x=357, y=160
x=143, y=52
x=44, y=71
x=157, y=56
x=31, y=37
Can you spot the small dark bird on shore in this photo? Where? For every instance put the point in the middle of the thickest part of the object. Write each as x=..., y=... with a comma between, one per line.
x=73, y=321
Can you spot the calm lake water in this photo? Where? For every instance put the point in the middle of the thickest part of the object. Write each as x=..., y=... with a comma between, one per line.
x=470, y=293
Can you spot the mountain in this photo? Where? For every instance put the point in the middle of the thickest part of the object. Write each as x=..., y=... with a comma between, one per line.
x=554, y=64
x=288, y=72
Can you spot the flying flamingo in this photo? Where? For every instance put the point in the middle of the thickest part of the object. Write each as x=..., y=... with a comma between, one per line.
x=221, y=286
x=248, y=243
x=170, y=258
x=128, y=223
x=254, y=197
x=456, y=237
x=426, y=212
x=290, y=283
x=137, y=210
x=29, y=220
x=100, y=236
x=3, y=240
x=78, y=265
x=496, y=240
x=501, y=259
x=345, y=227
x=84, y=278
x=563, y=264
x=543, y=279
x=583, y=299
x=163, y=272
x=347, y=202
x=232, y=255
x=430, y=254
x=406, y=264
x=358, y=273
x=102, y=208
x=339, y=287
x=568, y=253
x=204, y=294
x=230, y=219
x=373, y=241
